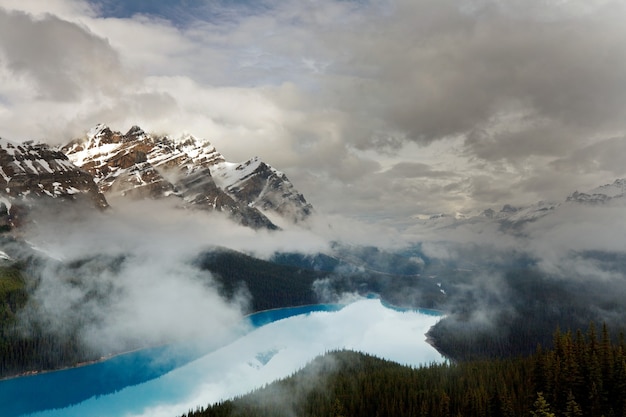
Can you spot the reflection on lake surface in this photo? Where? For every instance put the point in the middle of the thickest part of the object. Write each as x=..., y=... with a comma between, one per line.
x=166, y=382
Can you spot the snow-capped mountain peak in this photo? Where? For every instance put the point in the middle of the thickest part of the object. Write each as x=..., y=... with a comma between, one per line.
x=32, y=171
x=262, y=187
x=615, y=189
x=601, y=194
x=142, y=165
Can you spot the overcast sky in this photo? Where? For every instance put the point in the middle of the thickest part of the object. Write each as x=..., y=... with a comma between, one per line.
x=379, y=110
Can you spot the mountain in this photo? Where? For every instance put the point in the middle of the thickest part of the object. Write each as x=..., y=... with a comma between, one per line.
x=191, y=171
x=513, y=219
x=261, y=186
x=33, y=172
x=602, y=194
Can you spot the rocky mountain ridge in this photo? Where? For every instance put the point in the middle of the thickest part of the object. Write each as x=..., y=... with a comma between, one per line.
x=602, y=194
x=105, y=166
x=191, y=171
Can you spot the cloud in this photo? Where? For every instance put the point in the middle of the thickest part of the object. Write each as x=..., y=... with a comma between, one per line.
x=574, y=245
x=125, y=276
x=126, y=280
x=62, y=59
x=65, y=9
x=601, y=156
x=149, y=301
x=416, y=170
x=562, y=242
x=335, y=92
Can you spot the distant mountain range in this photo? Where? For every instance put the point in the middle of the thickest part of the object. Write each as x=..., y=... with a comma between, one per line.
x=106, y=165
x=513, y=218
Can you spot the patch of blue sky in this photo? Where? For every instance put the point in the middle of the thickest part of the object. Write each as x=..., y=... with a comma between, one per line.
x=180, y=12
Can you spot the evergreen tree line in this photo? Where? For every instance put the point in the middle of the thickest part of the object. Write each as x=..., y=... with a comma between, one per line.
x=26, y=345
x=523, y=310
x=268, y=285
x=583, y=375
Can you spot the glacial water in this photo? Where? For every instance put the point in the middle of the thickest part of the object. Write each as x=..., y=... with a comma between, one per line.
x=170, y=380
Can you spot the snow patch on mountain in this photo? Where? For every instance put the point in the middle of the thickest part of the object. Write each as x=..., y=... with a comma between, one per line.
x=616, y=189
x=602, y=194
x=35, y=169
x=228, y=174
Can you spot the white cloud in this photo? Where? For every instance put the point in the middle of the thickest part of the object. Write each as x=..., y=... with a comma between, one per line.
x=66, y=9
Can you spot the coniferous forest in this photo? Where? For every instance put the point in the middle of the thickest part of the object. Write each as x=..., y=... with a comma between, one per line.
x=583, y=375
x=25, y=344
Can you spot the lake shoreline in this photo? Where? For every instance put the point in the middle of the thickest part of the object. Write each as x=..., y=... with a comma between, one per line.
x=248, y=317
x=75, y=366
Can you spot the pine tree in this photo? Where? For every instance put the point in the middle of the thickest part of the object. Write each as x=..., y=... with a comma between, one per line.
x=337, y=410
x=541, y=407
x=572, y=408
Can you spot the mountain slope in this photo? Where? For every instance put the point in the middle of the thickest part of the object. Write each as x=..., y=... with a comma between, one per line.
x=259, y=185
x=602, y=194
x=33, y=172
x=513, y=219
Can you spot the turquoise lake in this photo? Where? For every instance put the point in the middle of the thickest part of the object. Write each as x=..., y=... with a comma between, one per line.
x=170, y=380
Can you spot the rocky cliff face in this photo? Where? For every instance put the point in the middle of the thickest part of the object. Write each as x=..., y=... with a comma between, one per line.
x=139, y=165
x=261, y=186
x=34, y=174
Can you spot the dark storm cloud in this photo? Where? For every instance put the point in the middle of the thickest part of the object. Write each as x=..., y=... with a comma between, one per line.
x=62, y=59
x=606, y=155
x=438, y=70
x=416, y=170
x=487, y=190
x=539, y=139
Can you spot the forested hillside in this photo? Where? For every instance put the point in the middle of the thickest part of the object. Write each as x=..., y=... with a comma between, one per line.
x=520, y=309
x=584, y=375
x=268, y=285
x=26, y=344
